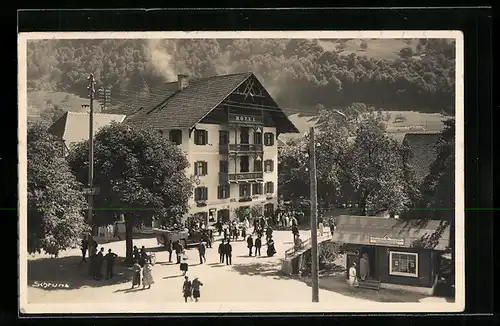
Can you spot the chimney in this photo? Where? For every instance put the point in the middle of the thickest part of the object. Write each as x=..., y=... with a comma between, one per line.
x=182, y=82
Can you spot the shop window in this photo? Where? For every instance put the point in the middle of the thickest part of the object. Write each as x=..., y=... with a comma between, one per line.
x=403, y=264
x=175, y=136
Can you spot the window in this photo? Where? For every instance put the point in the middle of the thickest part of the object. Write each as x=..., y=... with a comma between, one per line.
x=223, y=192
x=201, y=193
x=257, y=189
x=269, y=139
x=244, y=135
x=175, y=136
x=244, y=164
x=245, y=190
x=201, y=137
x=257, y=138
x=200, y=168
x=257, y=165
x=223, y=167
x=269, y=187
x=268, y=165
x=403, y=264
x=223, y=137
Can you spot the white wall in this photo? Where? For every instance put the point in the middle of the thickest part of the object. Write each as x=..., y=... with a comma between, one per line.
x=210, y=154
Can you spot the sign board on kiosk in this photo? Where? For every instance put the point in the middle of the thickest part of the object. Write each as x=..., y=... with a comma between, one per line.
x=387, y=241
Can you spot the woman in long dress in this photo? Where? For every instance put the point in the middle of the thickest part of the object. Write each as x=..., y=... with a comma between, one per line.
x=321, y=228
x=352, y=275
x=271, y=251
x=147, y=276
x=136, y=274
x=184, y=262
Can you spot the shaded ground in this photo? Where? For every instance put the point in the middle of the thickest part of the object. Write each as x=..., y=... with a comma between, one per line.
x=67, y=273
x=339, y=285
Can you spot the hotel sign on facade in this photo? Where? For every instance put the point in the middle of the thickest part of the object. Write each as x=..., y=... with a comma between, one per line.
x=245, y=119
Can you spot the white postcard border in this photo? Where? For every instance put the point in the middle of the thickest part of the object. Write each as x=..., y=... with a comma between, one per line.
x=256, y=307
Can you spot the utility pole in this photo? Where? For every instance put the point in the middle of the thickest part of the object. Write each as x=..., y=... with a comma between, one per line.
x=91, y=150
x=104, y=97
x=314, y=217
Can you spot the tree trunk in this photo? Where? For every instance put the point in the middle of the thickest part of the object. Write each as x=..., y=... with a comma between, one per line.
x=128, y=240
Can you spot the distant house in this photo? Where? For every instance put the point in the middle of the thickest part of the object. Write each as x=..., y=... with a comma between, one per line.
x=73, y=127
x=422, y=152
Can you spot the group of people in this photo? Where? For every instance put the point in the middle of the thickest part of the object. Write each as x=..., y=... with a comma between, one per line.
x=142, y=268
x=271, y=250
x=191, y=289
x=98, y=260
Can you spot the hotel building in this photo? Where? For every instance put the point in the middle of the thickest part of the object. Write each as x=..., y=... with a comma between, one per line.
x=227, y=126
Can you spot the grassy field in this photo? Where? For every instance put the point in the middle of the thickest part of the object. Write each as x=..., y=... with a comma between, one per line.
x=410, y=121
x=377, y=48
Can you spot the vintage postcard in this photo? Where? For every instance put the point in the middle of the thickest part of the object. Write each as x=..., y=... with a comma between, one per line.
x=171, y=172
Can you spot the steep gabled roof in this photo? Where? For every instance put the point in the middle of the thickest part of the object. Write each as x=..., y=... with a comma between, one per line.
x=423, y=152
x=168, y=108
x=74, y=126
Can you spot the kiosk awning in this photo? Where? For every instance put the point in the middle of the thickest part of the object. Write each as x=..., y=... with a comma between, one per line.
x=390, y=232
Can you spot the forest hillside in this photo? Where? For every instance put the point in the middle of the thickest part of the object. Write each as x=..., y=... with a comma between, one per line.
x=394, y=75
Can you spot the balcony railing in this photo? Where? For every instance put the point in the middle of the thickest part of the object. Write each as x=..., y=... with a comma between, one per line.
x=242, y=176
x=237, y=148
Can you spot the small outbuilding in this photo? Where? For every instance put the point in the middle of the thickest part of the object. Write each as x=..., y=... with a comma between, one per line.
x=392, y=253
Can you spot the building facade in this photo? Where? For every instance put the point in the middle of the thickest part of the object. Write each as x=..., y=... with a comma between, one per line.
x=228, y=127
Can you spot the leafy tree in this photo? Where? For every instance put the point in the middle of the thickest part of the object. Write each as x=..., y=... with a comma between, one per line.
x=140, y=174
x=256, y=210
x=406, y=52
x=376, y=172
x=55, y=200
x=241, y=213
x=356, y=161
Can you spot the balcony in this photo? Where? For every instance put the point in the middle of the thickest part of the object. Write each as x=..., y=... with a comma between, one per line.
x=241, y=148
x=240, y=177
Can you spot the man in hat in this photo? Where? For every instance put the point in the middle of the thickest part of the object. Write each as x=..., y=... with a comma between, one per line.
x=186, y=289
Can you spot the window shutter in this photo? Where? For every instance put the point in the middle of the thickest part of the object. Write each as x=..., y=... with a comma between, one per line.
x=206, y=137
x=205, y=167
x=195, y=168
x=271, y=165
x=196, y=192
